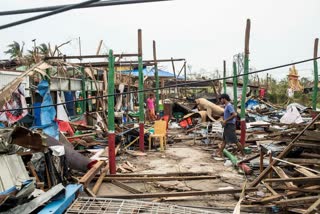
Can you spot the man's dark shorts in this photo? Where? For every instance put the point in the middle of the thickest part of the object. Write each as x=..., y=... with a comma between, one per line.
x=229, y=133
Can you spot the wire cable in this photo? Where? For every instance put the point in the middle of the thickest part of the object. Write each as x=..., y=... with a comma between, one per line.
x=98, y=4
x=165, y=87
x=59, y=10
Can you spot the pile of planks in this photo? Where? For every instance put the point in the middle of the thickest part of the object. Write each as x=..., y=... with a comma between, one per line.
x=292, y=183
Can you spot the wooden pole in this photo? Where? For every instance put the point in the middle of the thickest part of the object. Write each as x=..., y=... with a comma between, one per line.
x=141, y=94
x=316, y=78
x=83, y=88
x=235, y=87
x=245, y=83
x=99, y=47
x=156, y=75
x=224, y=76
x=111, y=127
x=174, y=73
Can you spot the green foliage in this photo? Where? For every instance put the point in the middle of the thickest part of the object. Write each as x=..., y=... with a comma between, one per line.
x=277, y=93
x=15, y=50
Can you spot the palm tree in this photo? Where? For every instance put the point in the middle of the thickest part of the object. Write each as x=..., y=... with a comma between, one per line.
x=15, y=51
x=43, y=49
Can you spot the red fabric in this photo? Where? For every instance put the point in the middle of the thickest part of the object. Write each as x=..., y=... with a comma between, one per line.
x=262, y=92
x=65, y=127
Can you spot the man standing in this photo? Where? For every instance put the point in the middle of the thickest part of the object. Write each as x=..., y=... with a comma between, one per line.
x=150, y=108
x=229, y=124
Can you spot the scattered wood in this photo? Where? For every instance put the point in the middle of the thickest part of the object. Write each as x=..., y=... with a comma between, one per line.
x=314, y=207
x=178, y=178
x=169, y=174
x=179, y=194
x=126, y=187
x=297, y=201
x=97, y=185
x=289, y=181
x=87, y=178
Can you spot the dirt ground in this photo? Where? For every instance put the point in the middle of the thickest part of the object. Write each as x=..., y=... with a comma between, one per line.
x=183, y=157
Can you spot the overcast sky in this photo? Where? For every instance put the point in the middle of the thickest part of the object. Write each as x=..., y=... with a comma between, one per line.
x=205, y=32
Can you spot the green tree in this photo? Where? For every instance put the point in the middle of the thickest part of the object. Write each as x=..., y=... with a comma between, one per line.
x=15, y=51
x=43, y=49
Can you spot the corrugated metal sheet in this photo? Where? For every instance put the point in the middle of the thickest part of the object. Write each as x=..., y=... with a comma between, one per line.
x=13, y=171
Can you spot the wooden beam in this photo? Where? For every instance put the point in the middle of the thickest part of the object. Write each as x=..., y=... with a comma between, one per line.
x=303, y=161
x=97, y=185
x=179, y=178
x=314, y=207
x=289, y=194
x=87, y=178
x=283, y=176
x=270, y=188
x=179, y=194
x=126, y=187
x=305, y=172
x=169, y=174
x=296, y=180
x=297, y=201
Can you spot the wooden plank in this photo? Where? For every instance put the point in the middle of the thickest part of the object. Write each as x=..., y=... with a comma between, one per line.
x=282, y=154
x=179, y=194
x=297, y=210
x=289, y=194
x=179, y=178
x=87, y=178
x=314, y=207
x=34, y=173
x=305, y=172
x=89, y=192
x=97, y=185
x=302, y=161
x=82, y=135
x=282, y=176
x=289, y=181
x=300, y=189
x=307, y=145
x=297, y=201
x=169, y=174
x=270, y=188
x=296, y=165
x=126, y=187
x=309, y=155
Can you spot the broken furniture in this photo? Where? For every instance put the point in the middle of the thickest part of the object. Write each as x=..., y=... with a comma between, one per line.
x=160, y=131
